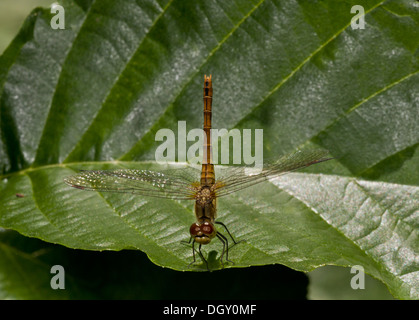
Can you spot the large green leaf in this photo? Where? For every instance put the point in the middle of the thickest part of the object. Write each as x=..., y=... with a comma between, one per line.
x=93, y=96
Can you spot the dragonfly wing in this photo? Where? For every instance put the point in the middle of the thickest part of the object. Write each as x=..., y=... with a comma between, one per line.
x=173, y=184
x=236, y=178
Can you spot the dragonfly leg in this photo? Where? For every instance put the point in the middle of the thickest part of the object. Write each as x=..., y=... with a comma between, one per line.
x=186, y=242
x=225, y=227
x=199, y=252
x=224, y=240
x=193, y=252
x=202, y=256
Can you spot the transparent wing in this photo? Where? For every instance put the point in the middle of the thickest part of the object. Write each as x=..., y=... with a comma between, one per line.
x=173, y=184
x=236, y=178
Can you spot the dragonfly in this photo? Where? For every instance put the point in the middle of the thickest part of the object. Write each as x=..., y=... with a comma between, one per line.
x=199, y=186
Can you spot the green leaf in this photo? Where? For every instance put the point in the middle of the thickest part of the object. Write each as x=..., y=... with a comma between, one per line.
x=94, y=95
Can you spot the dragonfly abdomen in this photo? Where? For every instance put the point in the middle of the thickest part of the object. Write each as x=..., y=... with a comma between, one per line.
x=207, y=174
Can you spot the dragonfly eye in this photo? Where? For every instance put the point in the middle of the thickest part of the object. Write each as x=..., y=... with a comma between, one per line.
x=202, y=233
x=194, y=229
x=207, y=229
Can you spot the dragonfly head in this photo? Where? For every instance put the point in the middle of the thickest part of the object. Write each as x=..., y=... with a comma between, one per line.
x=203, y=232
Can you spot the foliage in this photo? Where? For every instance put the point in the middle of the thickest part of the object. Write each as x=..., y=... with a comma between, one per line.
x=93, y=96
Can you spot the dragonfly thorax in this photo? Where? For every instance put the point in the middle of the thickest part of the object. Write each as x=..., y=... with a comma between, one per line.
x=204, y=196
x=205, y=206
